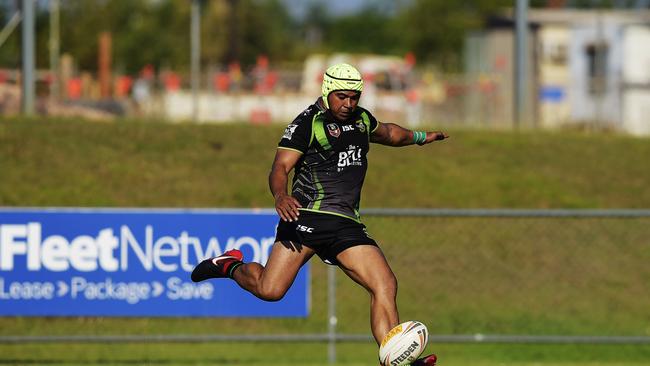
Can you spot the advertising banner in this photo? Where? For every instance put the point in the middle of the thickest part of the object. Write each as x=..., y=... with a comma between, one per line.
x=134, y=262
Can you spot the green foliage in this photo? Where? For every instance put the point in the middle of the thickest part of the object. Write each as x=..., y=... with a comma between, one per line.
x=158, y=32
x=10, y=49
x=370, y=31
x=435, y=29
x=143, y=32
x=266, y=30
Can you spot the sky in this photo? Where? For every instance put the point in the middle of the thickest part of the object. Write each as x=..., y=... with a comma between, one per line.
x=298, y=8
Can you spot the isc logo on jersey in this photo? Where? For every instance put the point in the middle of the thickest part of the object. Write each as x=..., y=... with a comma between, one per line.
x=350, y=157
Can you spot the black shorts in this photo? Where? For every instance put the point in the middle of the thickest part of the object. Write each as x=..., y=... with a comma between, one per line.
x=327, y=234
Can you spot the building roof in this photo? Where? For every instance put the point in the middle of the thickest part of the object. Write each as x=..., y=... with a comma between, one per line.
x=574, y=16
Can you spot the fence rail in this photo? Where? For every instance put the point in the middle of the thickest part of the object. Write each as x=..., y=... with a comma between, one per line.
x=322, y=337
x=450, y=212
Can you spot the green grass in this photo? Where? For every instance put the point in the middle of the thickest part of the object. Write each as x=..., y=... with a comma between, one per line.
x=130, y=163
x=459, y=275
x=353, y=354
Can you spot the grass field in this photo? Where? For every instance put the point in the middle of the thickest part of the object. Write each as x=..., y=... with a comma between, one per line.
x=72, y=163
x=315, y=354
x=514, y=276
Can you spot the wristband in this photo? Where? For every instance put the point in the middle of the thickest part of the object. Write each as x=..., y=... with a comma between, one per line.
x=419, y=137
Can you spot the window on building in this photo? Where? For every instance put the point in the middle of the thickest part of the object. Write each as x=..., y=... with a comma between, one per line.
x=597, y=67
x=555, y=53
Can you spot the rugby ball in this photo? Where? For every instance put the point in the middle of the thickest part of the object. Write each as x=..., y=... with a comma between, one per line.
x=403, y=344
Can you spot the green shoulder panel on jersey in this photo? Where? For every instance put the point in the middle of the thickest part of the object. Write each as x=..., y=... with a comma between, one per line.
x=318, y=130
x=321, y=192
x=366, y=121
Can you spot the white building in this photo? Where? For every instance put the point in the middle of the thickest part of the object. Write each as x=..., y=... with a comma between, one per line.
x=589, y=67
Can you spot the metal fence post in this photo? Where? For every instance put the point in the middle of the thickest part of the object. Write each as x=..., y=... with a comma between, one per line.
x=521, y=59
x=55, y=25
x=331, y=314
x=28, y=42
x=195, y=40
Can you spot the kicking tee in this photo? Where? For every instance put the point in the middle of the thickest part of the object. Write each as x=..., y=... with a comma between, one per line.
x=329, y=175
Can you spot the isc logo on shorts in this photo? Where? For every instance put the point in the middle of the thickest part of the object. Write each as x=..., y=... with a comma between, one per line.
x=305, y=228
x=365, y=231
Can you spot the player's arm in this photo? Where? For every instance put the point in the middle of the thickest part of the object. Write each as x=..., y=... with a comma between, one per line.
x=286, y=205
x=391, y=134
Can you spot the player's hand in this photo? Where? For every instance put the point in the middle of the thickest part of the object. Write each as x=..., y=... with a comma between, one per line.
x=287, y=207
x=435, y=136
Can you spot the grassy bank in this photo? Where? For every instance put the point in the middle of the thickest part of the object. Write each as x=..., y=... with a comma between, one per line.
x=129, y=163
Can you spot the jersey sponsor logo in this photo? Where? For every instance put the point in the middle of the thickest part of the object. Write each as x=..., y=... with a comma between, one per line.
x=361, y=126
x=350, y=157
x=288, y=132
x=333, y=130
x=346, y=128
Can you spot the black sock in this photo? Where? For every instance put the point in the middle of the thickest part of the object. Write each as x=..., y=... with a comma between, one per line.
x=233, y=267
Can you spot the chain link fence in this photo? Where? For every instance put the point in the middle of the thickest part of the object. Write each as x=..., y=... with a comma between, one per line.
x=521, y=274
x=512, y=276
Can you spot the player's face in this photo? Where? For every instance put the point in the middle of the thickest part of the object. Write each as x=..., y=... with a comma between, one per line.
x=343, y=103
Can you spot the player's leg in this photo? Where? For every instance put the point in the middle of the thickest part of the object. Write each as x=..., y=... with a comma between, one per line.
x=367, y=266
x=271, y=282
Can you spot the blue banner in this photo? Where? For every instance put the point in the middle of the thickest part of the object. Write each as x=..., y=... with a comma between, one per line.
x=121, y=262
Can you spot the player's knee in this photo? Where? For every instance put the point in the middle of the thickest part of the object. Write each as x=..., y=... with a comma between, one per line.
x=386, y=288
x=272, y=293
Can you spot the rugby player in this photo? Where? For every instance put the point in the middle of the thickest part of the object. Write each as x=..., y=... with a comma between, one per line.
x=326, y=145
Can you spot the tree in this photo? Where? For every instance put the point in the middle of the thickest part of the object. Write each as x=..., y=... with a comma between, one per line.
x=369, y=31
x=143, y=32
x=435, y=29
x=158, y=32
x=264, y=28
x=10, y=49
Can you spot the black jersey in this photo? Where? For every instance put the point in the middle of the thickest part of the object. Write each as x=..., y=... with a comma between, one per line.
x=329, y=174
